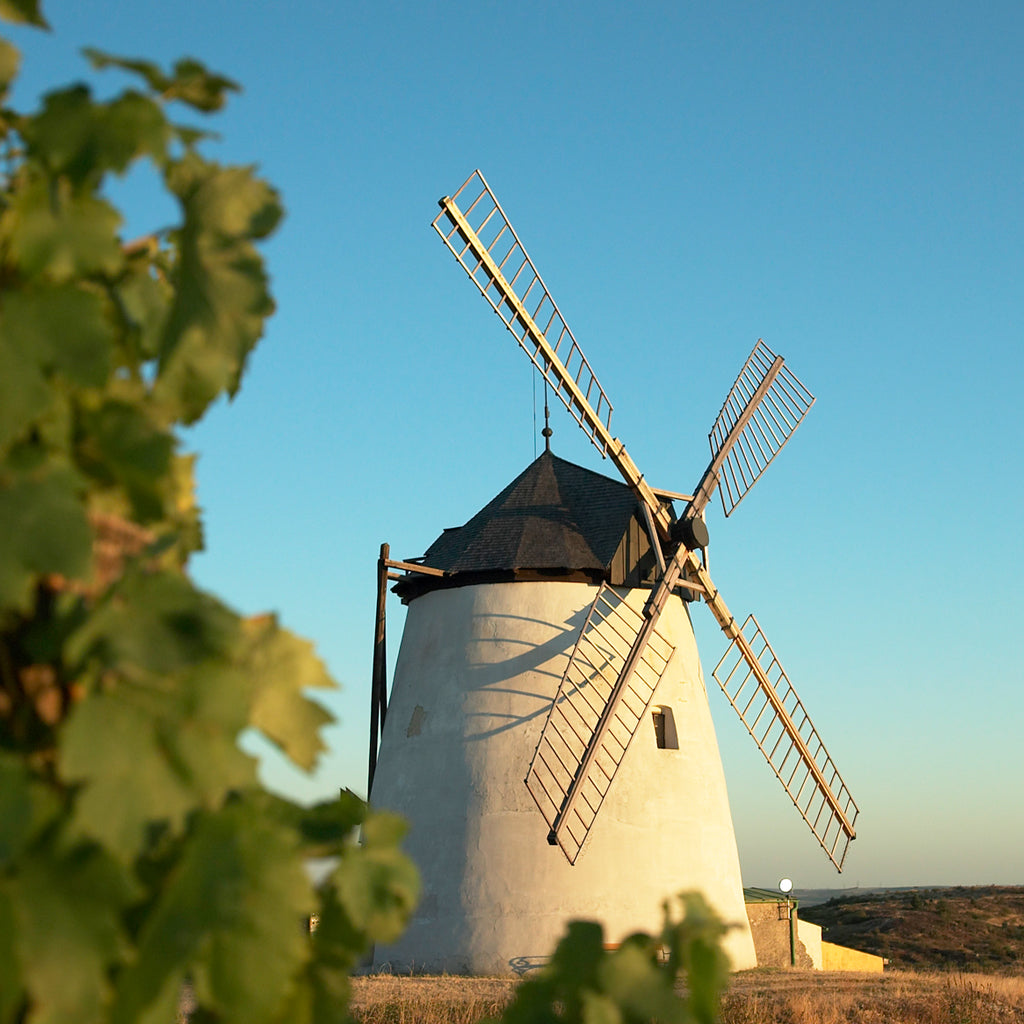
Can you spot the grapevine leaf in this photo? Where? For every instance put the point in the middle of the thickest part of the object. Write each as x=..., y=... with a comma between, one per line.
x=324, y=828
x=695, y=941
x=336, y=948
x=44, y=530
x=24, y=393
x=10, y=61
x=76, y=137
x=23, y=11
x=150, y=754
x=154, y=624
x=148, y=71
x=130, y=449
x=280, y=666
x=132, y=126
x=377, y=885
x=230, y=917
x=598, y=1008
x=12, y=992
x=631, y=979
x=56, y=233
x=25, y=806
x=145, y=301
x=63, y=327
x=221, y=296
x=67, y=935
x=191, y=82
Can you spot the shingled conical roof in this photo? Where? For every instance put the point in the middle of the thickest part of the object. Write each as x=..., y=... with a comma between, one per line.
x=556, y=519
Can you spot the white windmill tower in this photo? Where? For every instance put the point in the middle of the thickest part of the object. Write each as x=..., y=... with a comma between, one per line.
x=550, y=637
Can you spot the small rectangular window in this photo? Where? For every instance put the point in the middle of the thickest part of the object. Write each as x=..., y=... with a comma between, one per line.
x=664, y=728
x=659, y=727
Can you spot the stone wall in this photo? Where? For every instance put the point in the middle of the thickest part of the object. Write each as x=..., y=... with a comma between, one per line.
x=769, y=925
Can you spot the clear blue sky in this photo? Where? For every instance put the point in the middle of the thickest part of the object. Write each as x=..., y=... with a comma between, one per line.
x=688, y=177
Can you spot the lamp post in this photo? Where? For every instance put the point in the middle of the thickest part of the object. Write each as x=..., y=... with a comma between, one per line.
x=786, y=887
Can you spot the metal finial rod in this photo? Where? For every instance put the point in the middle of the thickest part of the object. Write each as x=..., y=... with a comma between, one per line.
x=547, y=431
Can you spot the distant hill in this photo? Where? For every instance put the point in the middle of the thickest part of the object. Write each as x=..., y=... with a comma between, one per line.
x=977, y=928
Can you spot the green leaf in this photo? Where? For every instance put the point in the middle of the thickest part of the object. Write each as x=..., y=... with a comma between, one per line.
x=24, y=12
x=191, y=83
x=324, y=828
x=145, y=301
x=221, y=298
x=12, y=991
x=599, y=1009
x=377, y=885
x=142, y=756
x=67, y=935
x=77, y=137
x=25, y=807
x=44, y=530
x=148, y=71
x=280, y=666
x=63, y=328
x=10, y=61
x=230, y=917
x=154, y=624
x=132, y=126
x=125, y=446
x=55, y=233
x=25, y=395
x=194, y=85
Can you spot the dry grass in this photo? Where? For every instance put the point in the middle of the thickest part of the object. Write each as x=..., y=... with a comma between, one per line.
x=754, y=997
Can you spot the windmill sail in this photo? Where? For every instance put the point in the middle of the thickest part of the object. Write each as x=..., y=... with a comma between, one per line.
x=594, y=717
x=762, y=410
x=487, y=247
x=758, y=688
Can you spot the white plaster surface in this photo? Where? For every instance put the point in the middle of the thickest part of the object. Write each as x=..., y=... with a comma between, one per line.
x=477, y=670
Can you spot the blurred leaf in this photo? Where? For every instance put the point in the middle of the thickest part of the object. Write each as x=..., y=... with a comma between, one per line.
x=25, y=806
x=584, y=983
x=145, y=302
x=144, y=755
x=599, y=1009
x=12, y=992
x=230, y=917
x=44, y=530
x=323, y=828
x=127, y=447
x=67, y=936
x=57, y=234
x=377, y=885
x=191, y=83
x=22, y=11
x=63, y=328
x=77, y=137
x=147, y=70
x=24, y=393
x=195, y=85
x=221, y=290
x=280, y=666
x=154, y=624
x=10, y=61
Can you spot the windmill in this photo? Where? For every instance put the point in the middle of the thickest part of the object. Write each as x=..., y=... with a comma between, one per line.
x=619, y=644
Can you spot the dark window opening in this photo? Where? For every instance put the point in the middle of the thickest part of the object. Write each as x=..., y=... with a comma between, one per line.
x=664, y=729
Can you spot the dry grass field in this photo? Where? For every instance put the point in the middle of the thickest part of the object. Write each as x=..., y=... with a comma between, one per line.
x=754, y=997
